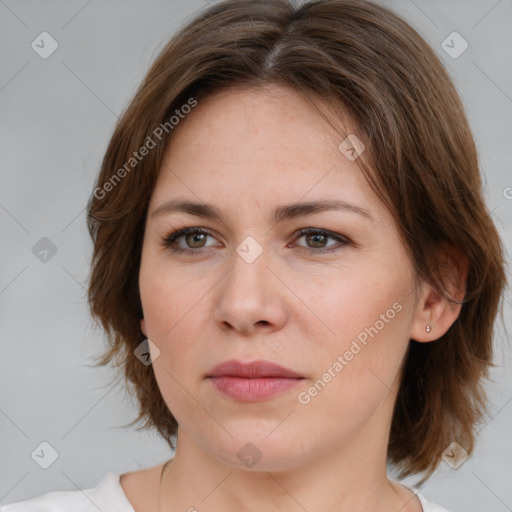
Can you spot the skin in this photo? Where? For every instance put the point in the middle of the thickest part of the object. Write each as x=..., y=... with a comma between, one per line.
x=246, y=152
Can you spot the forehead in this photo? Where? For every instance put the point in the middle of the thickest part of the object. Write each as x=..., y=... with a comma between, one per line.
x=269, y=144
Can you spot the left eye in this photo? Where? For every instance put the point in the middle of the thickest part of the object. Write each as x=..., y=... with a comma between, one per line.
x=319, y=237
x=195, y=239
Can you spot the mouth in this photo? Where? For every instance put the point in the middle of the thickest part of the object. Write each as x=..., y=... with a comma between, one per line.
x=254, y=381
x=253, y=370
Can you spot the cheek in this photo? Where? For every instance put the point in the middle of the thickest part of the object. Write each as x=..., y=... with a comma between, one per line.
x=175, y=311
x=368, y=316
x=358, y=300
x=166, y=299
x=355, y=374
x=169, y=311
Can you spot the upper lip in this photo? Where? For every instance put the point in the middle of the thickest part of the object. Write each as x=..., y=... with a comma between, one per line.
x=252, y=369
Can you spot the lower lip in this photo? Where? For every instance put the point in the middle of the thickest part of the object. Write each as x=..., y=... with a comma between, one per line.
x=253, y=390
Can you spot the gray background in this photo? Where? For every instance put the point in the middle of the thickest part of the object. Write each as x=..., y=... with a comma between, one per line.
x=57, y=115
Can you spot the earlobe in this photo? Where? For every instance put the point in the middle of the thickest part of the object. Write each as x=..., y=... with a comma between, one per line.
x=436, y=310
x=143, y=326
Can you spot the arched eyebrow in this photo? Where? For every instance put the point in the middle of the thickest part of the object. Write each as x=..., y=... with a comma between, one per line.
x=281, y=213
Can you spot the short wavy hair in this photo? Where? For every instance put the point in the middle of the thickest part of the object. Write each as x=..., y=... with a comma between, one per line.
x=363, y=58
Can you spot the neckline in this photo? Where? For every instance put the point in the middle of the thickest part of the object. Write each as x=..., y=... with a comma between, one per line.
x=113, y=478
x=423, y=501
x=113, y=482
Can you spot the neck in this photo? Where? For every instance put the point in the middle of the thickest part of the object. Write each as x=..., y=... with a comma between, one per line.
x=352, y=477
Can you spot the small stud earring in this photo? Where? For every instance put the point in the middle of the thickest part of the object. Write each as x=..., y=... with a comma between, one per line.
x=428, y=328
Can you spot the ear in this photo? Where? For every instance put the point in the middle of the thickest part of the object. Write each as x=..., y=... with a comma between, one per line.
x=143, y=326
x=434, y=307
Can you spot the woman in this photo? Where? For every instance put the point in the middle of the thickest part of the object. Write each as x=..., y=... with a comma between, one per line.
x=294, y=263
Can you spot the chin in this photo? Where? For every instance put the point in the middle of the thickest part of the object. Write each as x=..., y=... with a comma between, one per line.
x=260, y=453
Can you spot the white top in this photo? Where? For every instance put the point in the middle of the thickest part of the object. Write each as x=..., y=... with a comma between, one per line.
x=109, y=496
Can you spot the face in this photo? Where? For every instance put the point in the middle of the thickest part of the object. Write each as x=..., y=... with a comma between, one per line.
x=333, y=303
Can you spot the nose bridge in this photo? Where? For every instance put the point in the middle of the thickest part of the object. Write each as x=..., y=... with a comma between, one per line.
x=247, y=295
x=249, y=270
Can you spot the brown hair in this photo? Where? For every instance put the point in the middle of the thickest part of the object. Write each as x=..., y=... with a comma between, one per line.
x=424, y=166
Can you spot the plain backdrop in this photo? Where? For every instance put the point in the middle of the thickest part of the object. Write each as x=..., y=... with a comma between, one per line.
x=57, y=115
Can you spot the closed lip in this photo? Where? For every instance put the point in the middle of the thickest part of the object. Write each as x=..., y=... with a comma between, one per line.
x=252, y=370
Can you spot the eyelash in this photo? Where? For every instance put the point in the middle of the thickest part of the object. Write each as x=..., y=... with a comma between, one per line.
x=172, y=237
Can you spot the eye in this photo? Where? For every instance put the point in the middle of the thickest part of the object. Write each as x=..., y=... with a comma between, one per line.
x=318, y=237
x=195, y=238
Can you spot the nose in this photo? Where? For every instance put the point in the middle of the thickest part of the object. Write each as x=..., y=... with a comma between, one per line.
x=250, y=298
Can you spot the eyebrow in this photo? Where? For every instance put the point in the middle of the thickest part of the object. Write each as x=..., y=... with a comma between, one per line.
x=281, y=213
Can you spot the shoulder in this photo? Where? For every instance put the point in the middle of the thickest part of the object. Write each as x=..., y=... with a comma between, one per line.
x=107, y=495
x=428, y=506
x=431, y=507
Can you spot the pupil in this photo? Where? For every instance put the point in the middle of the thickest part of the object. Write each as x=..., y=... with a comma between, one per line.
x=316, y=236
x=196, y=237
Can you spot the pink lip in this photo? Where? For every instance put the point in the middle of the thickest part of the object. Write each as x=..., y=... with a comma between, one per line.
x=254, y=381
x=253, y=369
